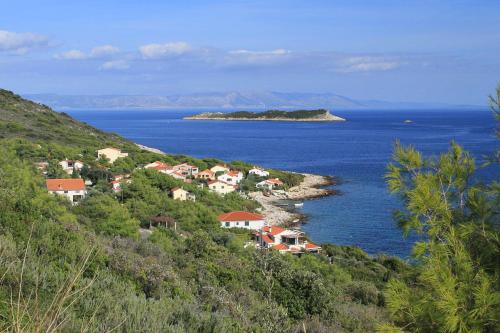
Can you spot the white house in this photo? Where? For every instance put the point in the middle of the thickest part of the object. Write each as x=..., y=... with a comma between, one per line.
x=112, y=154
x=258, y=172
x=69, y=166
x=232, y=177
x=269, y=184
x=242, y=220
x=73, y=189
x=220, y=187
x=284, y=240
x=219, y=168
x=186, y=169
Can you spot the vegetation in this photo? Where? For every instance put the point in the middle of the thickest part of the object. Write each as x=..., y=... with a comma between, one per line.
x=457, y=285
x=270, y=114
x=87, y=268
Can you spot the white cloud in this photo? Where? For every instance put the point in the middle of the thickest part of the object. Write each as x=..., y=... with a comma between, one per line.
x=115, y=65
x=247, y=57
x=21, y=42
x=103, y=51
x=158, y=51
x=368, y=64
x=72, y=55
x=98, y=52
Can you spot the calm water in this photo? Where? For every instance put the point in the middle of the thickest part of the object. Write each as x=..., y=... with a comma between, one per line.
x=357, y=151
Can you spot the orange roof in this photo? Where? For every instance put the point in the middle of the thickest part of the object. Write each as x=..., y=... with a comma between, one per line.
x=219, y=181
x=207, y=171
x=233, y=173
x=240, y=216
x=177, y=188
x=65, y=184
x=273, y=230
x=280, y=246
x=266, y=239
x=311, y=246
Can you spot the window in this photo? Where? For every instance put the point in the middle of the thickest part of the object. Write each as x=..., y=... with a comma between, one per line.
x=247, y=223
x=237, y=223
x=227, y=224
x=65, y=191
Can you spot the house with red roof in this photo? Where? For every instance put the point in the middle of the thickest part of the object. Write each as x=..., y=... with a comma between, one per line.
x=284, y=240
x=241, y=219
x=73, y=189
x=232, y=177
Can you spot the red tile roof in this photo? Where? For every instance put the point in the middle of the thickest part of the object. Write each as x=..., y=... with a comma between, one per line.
x=240, y=216
x=273, y=230
x=280, y=246
x=311, y=246
x=65, y=184
x=233, y=173
x=275, y=181
x=266, y=239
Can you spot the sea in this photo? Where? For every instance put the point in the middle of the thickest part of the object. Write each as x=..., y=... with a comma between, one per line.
x=356, y=152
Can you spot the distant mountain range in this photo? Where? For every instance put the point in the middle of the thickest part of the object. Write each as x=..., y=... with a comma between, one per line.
x=228, y=100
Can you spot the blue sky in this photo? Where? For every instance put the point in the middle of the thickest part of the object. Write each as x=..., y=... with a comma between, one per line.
x=423, y=51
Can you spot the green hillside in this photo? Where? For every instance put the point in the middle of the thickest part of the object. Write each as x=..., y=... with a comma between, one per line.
x=87, y=268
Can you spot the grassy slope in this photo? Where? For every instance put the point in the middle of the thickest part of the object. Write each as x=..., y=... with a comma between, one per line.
x=198, y=279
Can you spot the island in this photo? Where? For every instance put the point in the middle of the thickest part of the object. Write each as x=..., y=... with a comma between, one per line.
x=270, y=115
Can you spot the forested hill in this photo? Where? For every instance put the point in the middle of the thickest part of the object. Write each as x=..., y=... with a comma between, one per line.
x=21, y=118
x=98, y=266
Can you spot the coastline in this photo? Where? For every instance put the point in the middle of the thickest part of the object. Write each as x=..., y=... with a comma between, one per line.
x=313, y=186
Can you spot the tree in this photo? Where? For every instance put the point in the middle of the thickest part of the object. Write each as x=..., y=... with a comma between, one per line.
x=106, y=215
x=457, y=286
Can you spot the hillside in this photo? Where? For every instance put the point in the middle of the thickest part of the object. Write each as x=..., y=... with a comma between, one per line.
x=276, y=115
x=99, y=266
x=21, y=118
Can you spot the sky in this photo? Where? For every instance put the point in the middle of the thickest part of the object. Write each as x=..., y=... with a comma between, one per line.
x=445, y=51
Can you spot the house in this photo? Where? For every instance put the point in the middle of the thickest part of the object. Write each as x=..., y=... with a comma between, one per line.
x=181, y=194
x=206, y=174
x=220, y=187
x=112, y=154
x=232, y=177
x=178, y=175
x=269, y=184
x=219, y=168
x=241, y=220
x=186, y=169
x=258, y=172
x=160, y=167
x=73, y=189
x=69, y=166
x=284, y=240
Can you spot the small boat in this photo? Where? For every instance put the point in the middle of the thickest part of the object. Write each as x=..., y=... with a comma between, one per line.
x=298, y=205
x=408, y=121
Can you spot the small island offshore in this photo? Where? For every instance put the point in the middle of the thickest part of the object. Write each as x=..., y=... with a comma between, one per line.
x=270, y=115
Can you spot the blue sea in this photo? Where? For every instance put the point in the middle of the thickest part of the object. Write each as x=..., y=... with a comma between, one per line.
x=357, y=151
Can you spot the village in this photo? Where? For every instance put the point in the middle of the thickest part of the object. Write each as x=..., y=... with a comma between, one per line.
x=219, y=179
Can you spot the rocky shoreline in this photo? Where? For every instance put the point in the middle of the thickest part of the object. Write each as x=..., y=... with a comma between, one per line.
x=313, y=186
